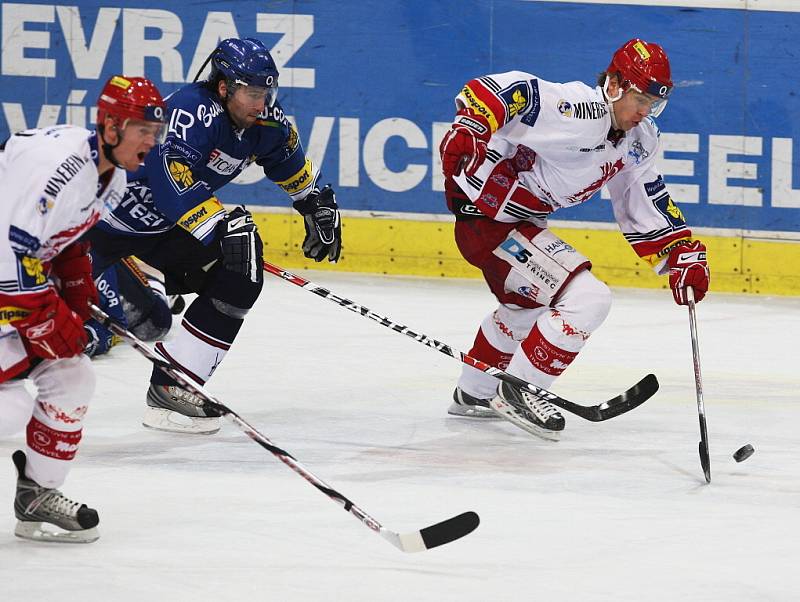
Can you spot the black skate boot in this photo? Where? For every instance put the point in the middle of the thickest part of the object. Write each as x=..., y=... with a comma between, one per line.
x=35, y=505
x=171, y=408
x=538, y=417
x=468, y=406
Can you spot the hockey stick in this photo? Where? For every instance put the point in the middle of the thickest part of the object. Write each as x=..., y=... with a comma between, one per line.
x=705, y=460
x=630, y=399
x=414, y=541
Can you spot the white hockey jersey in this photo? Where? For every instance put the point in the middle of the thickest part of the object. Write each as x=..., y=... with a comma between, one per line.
x=50, y=196
x=562, y=150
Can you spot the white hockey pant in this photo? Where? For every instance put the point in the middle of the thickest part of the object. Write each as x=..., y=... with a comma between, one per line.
x=54, y=419
x=541, y=342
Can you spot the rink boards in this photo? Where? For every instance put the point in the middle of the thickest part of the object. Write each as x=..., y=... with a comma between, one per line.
x=370, y=85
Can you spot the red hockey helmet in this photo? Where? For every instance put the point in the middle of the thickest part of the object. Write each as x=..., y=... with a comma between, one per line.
x=124, y=98
x=643, y=66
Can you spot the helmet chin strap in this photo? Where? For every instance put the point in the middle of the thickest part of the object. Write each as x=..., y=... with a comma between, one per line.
x=611, y=102
x=108, y=149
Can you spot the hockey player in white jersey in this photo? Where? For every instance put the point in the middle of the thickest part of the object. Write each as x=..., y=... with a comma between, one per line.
x=56, y=183
x=519, y=149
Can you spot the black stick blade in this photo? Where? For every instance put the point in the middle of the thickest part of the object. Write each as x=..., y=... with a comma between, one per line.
x=630, y=399
x=705, y=461
x=450, y=529
x=435, y=535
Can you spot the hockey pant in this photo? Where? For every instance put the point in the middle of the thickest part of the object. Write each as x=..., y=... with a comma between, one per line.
x=535, y=332
x=54, y=419
x=210, y=324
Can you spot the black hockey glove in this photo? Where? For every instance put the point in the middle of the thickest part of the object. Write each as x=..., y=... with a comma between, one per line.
x=323, y=225
x=242, y=250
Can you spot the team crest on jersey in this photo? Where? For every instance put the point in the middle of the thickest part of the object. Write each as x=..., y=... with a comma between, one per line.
x=565, y=108
x=293, y=141
x=671, y=211
x=30, y=273
x=181, y=175
x=515, y=99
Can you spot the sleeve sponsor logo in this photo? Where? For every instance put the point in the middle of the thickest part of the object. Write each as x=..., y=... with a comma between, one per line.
x=197, y=216
x=479, y=107
x=22, y=242
x=11, y=313
x=299, y=180
x=654, y=187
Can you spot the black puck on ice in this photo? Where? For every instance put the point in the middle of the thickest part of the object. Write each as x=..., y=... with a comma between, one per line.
x=743, y=453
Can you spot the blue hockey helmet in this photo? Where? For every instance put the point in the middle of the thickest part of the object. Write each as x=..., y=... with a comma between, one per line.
x=246, y=62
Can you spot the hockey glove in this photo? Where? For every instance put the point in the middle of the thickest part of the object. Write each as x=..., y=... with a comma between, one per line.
x=688, y=267
x=464, y=146
x=323, y=225
x=73, y=266
x=242, y=249
x=53, y=330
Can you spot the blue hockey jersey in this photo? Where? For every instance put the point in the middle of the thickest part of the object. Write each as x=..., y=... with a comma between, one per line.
x=204, y=151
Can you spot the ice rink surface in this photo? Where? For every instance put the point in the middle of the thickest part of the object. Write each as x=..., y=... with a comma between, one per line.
x=614, y=511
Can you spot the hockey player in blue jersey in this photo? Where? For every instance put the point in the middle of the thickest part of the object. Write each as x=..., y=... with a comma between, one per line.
x=171, y=218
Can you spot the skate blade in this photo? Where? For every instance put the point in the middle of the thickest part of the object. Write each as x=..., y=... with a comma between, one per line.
x=508, y=412
x=36, y=531
x=463, y=411
x=162, y=419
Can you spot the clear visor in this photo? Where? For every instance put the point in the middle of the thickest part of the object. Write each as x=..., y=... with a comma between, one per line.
x=257, y=93
x=144, y=129
x=654, y=105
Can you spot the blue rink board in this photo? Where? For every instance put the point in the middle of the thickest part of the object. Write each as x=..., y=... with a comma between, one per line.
x=389, y=71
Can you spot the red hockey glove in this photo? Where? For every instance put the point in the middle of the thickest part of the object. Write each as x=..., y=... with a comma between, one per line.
x=464, y=146
x=688, y=267
x=53, y=330
x=73, y=266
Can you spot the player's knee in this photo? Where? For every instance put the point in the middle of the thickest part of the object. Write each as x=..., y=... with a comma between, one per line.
x=66, y=383
x=585, y=301
x=156, y=324
x=517, y=320
x=230, y=290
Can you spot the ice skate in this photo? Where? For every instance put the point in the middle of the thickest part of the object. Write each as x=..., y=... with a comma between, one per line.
x=468, y=406
x=536, y=416
x=171, y=408
x=38, y=509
